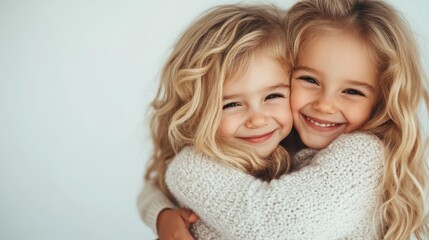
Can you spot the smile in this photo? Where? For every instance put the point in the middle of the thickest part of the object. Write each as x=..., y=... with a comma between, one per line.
x=320, y=123
x=258, y=138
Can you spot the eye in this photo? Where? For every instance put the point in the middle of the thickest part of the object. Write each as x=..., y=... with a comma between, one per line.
x=353, y=92
x=308, y=79
x=231, y=105
x=274, y=95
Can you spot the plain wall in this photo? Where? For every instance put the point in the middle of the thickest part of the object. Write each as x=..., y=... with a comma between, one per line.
x=76, y=78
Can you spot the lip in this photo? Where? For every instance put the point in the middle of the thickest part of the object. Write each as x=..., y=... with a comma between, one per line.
x=321, y=125
x=258, y=138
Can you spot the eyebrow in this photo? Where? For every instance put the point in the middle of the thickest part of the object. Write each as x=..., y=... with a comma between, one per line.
x=270, y=88
x=369, y=87
x=361, y=84
x=305, y=68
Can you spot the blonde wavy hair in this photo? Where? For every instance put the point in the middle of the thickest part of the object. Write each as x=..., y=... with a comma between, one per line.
x=188, y=106
x=401, y=87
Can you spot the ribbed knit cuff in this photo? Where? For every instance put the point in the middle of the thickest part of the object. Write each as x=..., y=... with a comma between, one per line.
x=154, y=209
x=151, y=201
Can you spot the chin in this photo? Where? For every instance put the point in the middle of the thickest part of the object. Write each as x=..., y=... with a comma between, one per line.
x=265, y=153
x=319, y=145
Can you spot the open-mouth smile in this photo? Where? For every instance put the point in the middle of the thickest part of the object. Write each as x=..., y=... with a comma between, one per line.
x=321, y=124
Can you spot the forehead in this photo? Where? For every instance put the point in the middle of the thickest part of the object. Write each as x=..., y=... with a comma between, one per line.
x=274, y=50
x=262, y=71
x=341, y=55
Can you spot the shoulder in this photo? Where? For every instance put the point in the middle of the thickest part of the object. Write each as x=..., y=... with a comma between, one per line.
x=191, y=154
x=189, y=159
x=358, y=148
x=358, y=141
x=189, y=151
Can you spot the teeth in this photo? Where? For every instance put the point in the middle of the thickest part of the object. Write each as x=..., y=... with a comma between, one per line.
x=323, y=125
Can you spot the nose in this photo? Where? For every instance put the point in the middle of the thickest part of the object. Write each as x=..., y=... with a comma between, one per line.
x=256, y=120
x=325, y=104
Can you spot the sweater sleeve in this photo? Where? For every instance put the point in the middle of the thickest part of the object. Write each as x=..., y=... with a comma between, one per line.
x=326, y=200
x=150, y=202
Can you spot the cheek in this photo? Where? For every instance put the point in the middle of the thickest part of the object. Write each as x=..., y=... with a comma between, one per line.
x=227, y=127
x=284, y=114
x=358, y=116
x=298, y=99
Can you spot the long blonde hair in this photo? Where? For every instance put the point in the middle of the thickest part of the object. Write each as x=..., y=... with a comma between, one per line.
x=401, y=87
x=187, y=108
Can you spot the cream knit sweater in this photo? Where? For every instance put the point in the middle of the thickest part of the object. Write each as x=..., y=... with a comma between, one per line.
x=334, y=197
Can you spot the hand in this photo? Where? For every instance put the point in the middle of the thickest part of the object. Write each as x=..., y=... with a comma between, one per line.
x=174, y=224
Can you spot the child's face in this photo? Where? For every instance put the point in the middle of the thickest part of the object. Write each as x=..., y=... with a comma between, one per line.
x=333, y=89
x=256, y=108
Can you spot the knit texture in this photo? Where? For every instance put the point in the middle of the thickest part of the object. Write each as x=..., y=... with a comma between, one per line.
x=151, y=201
x=333, y=197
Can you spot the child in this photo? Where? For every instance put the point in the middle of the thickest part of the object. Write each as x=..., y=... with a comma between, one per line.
x=225, y=91
x=355, y=67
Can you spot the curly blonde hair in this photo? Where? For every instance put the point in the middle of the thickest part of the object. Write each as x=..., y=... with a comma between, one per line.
x=401, y=87
x=187, y=108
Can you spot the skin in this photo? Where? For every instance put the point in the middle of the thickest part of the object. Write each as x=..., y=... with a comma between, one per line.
x=174, y=224
x=256, y=108
x=333, y=89
x=256, y=112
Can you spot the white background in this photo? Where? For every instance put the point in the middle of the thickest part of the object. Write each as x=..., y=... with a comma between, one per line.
x=76, y=78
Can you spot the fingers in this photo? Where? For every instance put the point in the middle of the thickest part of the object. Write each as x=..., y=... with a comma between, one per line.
x=193, y=218
x=188, y=215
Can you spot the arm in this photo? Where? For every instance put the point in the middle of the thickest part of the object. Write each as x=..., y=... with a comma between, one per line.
x=162, y=216
x=151, y=202
x=327, y=199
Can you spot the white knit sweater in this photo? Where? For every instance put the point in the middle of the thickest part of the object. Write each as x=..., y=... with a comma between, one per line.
x=357, y=152
x=151, y=201
x=335, y=197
